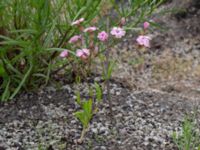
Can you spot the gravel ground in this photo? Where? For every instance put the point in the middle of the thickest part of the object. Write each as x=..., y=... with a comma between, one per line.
x=144, y=120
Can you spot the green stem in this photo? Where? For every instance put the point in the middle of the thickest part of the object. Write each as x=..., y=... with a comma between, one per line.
x=107, y=54
x=83, y=134
x=108, y=85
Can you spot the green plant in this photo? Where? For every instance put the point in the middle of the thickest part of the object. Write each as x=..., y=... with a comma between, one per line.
x=189, y=138
x=88, y=108
x=32, y=34
x=40, y=147
x=85, y=115
x=98, y=90
x=124, y=10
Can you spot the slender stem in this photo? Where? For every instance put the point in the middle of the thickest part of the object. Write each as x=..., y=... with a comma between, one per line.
x=107, y=62
x=15, y=15
x=83, y=134
x=108, y=84
x=85, y=129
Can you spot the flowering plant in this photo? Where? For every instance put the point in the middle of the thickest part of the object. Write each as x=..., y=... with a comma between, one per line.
x=40, y=38
x=36, y=33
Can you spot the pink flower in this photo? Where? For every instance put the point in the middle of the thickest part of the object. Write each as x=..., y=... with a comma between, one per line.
x=90, y=29
x=64, y=53
x=103, y=36
x=77, y=22
x=144, y=40
x=123, y=21
x=83, y=53
x=75, y=38
x=146, y=25
x=118, y=32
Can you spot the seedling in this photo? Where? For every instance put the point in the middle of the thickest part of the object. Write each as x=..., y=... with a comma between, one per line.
x=189, y=138
x=86, y=113
x=98, y=92
x=84, y=116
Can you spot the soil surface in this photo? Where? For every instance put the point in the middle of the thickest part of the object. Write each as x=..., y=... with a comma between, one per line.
x=151, y=90
x=144, y=120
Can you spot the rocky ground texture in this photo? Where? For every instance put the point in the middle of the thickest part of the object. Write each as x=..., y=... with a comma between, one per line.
x=144, y=120
x=151, y=93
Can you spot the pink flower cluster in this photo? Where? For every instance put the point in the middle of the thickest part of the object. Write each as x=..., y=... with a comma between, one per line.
x=144, y=40
x=83, y=53
x=117, y=32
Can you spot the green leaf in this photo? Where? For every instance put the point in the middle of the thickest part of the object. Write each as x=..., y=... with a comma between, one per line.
x=6, y=93
x=87, y=107
x=98, y=92
x=11, y=42
x=81, y=116
x=110, y=69
x=2, y=70
x=91, y=93
x=48, y=40
x=81, y=11
x=22, y=82
x=78, y=98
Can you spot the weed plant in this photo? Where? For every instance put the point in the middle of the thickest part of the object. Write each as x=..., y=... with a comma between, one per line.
x=34, y=32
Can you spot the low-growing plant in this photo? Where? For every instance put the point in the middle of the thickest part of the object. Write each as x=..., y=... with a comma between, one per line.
x=189, y=138
x=85, y=115
x=88, y=108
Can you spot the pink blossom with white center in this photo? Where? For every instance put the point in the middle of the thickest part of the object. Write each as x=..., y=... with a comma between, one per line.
x=77, y=22
x=75, y=38
x=146, y=25
x=118, y=32
x=90, y=29
x=102, y=36
x=144, y=40
x=64, y=53
x=83, y=53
